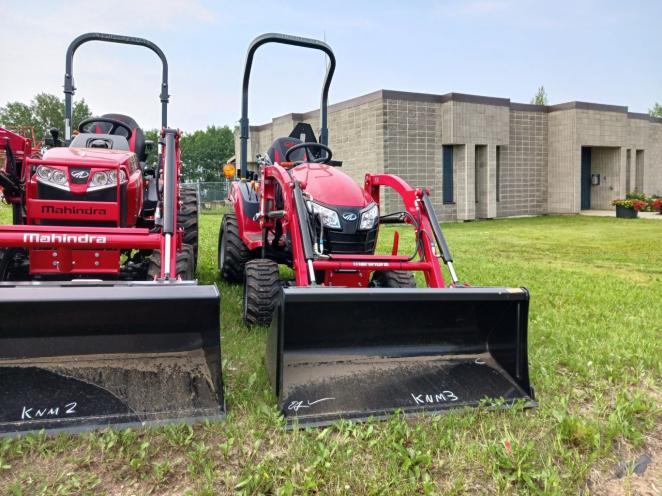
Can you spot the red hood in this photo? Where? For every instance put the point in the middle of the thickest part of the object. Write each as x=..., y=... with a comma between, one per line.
x=93, y=157
x=329, y=185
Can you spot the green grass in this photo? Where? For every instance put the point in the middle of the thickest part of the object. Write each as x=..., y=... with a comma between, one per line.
x=594, y=352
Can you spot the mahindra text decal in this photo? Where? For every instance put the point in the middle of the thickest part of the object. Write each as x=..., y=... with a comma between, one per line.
x=50, y=209
x=370, y=264
x=52, y=238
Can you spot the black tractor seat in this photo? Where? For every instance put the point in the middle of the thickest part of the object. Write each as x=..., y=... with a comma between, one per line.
x=279, y=148
x=137, y=142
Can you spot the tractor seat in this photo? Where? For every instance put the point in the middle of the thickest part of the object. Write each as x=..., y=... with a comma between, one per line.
x=279, y=147
x=137, y=141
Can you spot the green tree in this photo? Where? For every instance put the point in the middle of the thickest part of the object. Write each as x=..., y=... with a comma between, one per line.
x=44, y=112
x=656, y=111
x=540, y=97
x=204, y=153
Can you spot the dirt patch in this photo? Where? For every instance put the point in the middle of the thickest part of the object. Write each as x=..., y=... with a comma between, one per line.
x=608, y=483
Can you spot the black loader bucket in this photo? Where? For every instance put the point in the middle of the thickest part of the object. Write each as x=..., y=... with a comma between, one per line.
x=355, y=353
x=82, y=356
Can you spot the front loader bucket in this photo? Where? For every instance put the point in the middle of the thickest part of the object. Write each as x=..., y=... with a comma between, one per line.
x=357, y=353
x=82, y=356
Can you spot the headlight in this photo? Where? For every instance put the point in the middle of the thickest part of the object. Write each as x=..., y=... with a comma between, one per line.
x=59, y=177
x=370, y=217
x=99, y=179
x=53, y=177
x=44, y=172
x=106, y=179
x=328, y=217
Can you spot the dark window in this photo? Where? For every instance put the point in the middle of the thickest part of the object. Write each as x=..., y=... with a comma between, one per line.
x=447, y=173
x=498, y=173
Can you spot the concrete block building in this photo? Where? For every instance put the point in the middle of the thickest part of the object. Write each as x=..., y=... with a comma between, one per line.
x=485, y=157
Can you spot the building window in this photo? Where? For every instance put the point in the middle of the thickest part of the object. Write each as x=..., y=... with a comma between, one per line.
x=498, y=173
x=447, y=174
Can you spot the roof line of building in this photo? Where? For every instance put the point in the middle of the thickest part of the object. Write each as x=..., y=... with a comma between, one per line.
x=461, y=97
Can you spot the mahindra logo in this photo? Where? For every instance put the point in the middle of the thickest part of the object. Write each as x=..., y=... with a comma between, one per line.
x=80, y=174
x=50, y=209
x=349, y=216
x=36, y=238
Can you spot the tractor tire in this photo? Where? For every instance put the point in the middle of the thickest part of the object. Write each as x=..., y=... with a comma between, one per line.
x=393, y=279
x=187, y=219
x=185, y=264
x=261, y=288
x=232, y=252
x=14, y=265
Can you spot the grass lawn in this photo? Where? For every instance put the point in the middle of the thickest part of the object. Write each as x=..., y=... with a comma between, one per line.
x=595, y=355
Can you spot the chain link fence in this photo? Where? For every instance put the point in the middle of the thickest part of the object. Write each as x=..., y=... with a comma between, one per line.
x=211, y=195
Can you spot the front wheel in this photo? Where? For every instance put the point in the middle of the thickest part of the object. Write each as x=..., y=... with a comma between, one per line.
x=261, y=288
x=185, y=264
x=393, y=279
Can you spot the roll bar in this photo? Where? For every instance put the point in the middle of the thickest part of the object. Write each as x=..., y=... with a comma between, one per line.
x=285, y=39
x=69, y=87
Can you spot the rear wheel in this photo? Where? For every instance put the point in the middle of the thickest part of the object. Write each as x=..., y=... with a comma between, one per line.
x=393, y=279
x=232, y=252
x=261, y=288
x=185, y=264
x=187, y=218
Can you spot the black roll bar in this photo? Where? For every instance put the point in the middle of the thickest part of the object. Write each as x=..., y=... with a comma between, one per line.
x=69, y=87
x=285, y=39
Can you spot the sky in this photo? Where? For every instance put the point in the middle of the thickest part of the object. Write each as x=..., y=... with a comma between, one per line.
x=596, y=51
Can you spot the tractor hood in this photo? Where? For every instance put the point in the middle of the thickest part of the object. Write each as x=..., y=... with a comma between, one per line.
x=95, y=157
x=328, y=185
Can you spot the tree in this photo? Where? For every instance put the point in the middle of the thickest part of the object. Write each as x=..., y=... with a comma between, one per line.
x=204, y=153
x=656, y=111
x=540, y=97
x=44, y=112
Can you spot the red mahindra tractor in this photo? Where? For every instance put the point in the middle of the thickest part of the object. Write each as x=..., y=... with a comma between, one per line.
x=103, y=322
x=351, y=336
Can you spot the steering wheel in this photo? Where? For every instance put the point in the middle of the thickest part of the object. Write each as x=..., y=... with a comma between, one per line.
x=321, y=160
x=114, y=122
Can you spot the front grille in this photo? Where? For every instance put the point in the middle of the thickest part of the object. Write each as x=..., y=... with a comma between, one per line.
x=102, y=195
x=46, y=192
x=357, y=243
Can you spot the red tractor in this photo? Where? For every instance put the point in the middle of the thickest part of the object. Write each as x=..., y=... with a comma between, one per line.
x=99, y=298
x=351, y=336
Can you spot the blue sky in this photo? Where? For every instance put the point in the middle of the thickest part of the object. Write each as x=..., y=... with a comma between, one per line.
x=598, y=51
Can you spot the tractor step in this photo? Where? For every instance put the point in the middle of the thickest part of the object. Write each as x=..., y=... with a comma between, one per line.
x=359, y=353
x=79, y=356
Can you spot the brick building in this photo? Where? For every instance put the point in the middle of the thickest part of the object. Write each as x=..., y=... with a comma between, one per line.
x=488, y=157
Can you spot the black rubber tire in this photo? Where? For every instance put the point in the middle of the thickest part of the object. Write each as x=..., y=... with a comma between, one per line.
x=393, y=279
x=14, y=265
x=232, y=252
x=185, y=264
x=261, y=288
x=187, y=218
